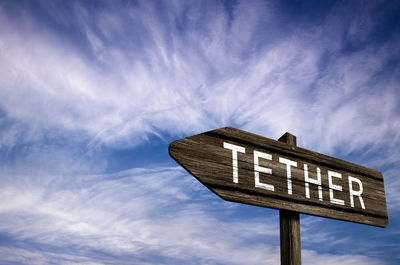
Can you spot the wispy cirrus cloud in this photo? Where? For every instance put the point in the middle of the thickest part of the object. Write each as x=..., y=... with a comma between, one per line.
x=75, y=78
x=190, y=69
x=138, y=216
x=127, y=216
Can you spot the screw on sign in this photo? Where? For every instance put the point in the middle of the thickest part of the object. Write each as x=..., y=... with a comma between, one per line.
x=243, y=167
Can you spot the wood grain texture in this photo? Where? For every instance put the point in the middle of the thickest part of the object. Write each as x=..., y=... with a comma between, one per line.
x=204, y=156
x=290, y=237
x=289, y=224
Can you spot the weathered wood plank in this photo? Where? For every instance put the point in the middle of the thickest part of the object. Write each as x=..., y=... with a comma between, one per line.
x=247, y=185
x=205, y=157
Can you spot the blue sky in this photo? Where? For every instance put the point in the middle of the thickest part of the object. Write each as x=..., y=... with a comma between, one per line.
x=93, y=92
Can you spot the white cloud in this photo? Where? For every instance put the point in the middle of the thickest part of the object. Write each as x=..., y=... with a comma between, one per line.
x=190, y=81
x=126, y=73
x=310, y=257
x=154, y=216
x=135, y=213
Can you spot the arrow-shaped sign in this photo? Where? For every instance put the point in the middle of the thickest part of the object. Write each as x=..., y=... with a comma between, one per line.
x=247, y=168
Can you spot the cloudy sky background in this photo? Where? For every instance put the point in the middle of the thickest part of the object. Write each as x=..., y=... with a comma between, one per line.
x=93, y=92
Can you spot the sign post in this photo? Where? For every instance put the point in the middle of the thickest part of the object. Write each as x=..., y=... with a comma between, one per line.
x=243, y=167
x=289, y=223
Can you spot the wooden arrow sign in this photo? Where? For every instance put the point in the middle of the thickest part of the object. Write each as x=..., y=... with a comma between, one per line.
x=243, y=167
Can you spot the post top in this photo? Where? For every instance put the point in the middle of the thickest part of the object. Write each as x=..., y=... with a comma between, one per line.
x=289, y=139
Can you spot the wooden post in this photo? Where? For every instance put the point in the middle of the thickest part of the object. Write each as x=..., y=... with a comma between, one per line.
x=290, y=225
